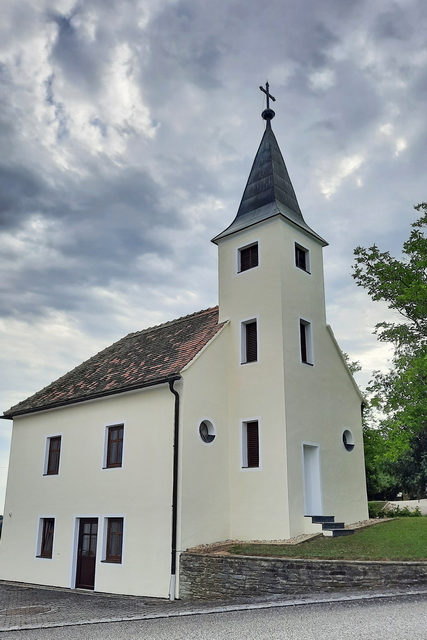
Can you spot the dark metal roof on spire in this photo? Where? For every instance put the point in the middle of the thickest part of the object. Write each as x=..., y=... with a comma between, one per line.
x=269, y=191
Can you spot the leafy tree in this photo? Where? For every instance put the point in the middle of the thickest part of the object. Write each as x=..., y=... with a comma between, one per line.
x=396, y=449
x=353, y=365
x=400, y=283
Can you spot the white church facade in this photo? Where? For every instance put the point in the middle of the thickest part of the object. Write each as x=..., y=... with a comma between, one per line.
x=236, y=422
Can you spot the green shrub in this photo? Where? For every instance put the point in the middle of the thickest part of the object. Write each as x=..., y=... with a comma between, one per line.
x=400, y=512
x=378, y=509
x=375, y=508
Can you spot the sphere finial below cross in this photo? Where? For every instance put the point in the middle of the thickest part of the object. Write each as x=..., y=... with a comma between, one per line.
x=268, y=114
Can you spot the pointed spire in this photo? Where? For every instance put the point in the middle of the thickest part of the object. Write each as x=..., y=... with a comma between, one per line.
x=269, y=182
x=269, y=191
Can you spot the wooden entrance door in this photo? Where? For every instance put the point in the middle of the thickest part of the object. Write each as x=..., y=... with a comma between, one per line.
x=86, y=553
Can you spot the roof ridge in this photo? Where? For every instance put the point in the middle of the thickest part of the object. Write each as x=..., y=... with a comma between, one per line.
x=170, y=322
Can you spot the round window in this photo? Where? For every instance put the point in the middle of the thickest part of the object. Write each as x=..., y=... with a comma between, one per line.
x=348, y=440
x=207, y=431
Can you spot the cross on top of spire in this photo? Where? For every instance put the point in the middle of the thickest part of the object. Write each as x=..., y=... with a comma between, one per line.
x=268, y=114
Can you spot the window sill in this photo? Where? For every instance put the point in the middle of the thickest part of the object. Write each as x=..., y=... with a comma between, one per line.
x=44, y=557
x=111, y=561
x=249, y=269
x=310, y=364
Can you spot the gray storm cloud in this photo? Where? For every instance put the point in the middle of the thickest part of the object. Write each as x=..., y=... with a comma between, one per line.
x=128, y=130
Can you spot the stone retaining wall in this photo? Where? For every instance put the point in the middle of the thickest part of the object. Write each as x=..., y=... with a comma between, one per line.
x=210, y=576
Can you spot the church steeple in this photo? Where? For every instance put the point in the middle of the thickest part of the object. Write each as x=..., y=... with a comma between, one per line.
x=269, y=191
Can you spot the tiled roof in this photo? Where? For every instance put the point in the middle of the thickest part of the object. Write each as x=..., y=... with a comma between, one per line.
x=140, y=359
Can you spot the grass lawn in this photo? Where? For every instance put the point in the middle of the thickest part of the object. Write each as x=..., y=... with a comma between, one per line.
x=400, y=539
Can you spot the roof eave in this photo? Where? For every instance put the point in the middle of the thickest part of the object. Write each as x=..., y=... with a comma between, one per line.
x=8, y=415
x=263, y=214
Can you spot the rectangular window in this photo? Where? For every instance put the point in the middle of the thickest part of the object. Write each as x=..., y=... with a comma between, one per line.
x=248, y=257
x=46, y=543
x=54, y=453
x=115, y=446
x=302, y=258
x=250, y=444
x=114, y=540
x=250, y=353
x=249, y=341
x=306, y=344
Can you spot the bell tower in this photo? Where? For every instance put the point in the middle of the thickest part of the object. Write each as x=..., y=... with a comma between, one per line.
x=283, y=357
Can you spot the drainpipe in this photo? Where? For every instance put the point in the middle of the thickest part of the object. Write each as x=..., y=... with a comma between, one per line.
x=172, y=586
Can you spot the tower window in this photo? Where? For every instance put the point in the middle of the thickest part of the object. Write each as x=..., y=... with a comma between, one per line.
x=248, y=257
x=250, y=444
x=302, y=258
x=249, y=341
x=306, y=342
x=348, y=440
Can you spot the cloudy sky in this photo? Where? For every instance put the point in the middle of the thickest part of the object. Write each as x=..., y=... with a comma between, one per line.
x=128, y=129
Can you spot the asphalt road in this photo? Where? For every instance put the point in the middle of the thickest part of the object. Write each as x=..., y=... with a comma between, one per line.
x=397, y=618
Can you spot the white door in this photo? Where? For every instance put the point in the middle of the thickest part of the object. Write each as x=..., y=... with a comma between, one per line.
x=312, y=484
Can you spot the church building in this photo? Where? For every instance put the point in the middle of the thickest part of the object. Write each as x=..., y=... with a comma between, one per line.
x=238, y=422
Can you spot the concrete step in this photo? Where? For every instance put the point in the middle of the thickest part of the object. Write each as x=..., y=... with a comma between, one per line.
x=337, y=533
x=321, y=519
x=328, y=526
x=332, y=525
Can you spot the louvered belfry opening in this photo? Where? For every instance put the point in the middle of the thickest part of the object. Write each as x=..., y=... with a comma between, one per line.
x=251, y=342
x=252, y=438
x=303, y=341
x=249, y=257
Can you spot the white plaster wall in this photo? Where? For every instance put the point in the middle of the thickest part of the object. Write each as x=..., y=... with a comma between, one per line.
x=293, y=401
x=258, y=497
x=328, y=386
x=321, y=400
x=204, y=482
x=140, y=491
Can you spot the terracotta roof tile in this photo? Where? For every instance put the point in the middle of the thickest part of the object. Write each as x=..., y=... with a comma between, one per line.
x=141, y=358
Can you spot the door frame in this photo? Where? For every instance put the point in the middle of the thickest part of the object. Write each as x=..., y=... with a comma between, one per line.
x=74, y=555
x=312, y=479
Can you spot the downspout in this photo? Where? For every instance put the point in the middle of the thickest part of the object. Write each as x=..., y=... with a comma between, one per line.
x=172, y=585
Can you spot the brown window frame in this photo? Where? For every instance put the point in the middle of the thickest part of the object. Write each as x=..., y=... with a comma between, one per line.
x=53, y=456
x=251, y=452
x=114, y=546
x=47, y=536
x=114, y=459
x=249, y=341
x=248, y=257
